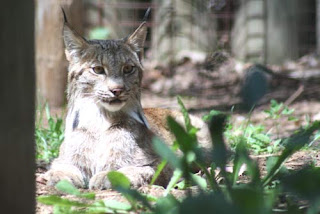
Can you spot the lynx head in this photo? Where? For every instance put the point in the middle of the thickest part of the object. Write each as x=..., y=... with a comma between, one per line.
x=107, y=71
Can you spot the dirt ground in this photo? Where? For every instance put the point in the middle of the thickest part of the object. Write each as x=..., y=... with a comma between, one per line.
x=203, y=90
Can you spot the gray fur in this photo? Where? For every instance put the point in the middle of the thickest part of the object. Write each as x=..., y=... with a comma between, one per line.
x=104, y=131
x=101, y=136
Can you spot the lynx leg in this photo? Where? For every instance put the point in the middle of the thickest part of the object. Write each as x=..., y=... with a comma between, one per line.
x=138, y=176
x=67, y=172
x=100, y=181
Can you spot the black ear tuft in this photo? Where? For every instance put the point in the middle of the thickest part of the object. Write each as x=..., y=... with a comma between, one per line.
x=64, y=16
x=137, y=39
x=146, y=15
x=74, y=43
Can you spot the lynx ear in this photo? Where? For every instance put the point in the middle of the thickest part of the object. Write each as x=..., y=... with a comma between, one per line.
x=137, y=39
x=74, y=43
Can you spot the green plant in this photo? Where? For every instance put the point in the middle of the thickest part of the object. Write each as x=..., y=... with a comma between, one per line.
x=48, y=137
x=279, y=111
x=83, y=202
x=257, y=195
x=257, y=138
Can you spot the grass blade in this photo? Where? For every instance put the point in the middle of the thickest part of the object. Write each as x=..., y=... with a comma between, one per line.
x=160, y=167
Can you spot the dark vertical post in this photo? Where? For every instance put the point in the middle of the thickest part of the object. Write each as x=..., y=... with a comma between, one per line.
x=265, y=30
x=51, y=63
x=318, y=26
x=17, y=83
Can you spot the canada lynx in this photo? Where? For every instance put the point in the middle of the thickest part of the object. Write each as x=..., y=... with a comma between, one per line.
x=106, y=127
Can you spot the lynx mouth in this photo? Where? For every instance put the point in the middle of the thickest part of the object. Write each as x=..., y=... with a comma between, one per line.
x=113, y=104
x=114, y=101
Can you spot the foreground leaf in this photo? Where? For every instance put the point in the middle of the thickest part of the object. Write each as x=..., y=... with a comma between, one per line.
x=167, y=205
x=57, y=200
x=177, y=174
x=117, y=179
x=160, y=167
x=166, y=153
x=305, y=183
x=207, y=203
x=292, y=144
x=242, y=157
x=186, y=141
x=250, y=200
x=199, y=181
x=68, y=188
x=134, y=196
x=189, y=126
x=116, y=205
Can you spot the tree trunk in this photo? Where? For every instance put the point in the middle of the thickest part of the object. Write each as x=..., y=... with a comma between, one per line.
x=318, y=26
x=181, y=27
x=17, y=107
x=51, y=64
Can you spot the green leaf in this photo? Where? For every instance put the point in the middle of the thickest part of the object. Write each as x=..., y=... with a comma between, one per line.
x=177, y=174
x=181, y=185
x=219, y=154
x=292, y=144
x=262, y=137
x=207, y=203
x=99, y=207
x=242, y=157
x=185, y=115
x=190, y=157
x=67, y=187
x=57, y=200
x=116, y=205
x=217, y=126
x=166, y=153
x=88, y=195
x=62, y=210
x=271, y=161
x=250, y=200
x=160, y=167
x=211, y=114
x=117, y=179
x=167, y=205
x=287, y=111
x=199, y=181
x=315, y=138
x=133, y=196
x=304, y=183
x=185, y=141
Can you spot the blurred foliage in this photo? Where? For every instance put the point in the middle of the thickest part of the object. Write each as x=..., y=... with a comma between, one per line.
x=260, y=194
x=99, y=33
x=49, y=134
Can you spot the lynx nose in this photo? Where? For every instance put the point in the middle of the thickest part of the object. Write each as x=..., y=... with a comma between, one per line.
x=117, y=91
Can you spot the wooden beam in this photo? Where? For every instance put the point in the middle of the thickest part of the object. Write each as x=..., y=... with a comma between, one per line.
x=17, y=83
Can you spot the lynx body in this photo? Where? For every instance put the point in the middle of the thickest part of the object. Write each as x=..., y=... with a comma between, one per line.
x=106, y=127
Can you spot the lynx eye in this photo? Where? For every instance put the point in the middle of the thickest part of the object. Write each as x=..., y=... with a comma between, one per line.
x=128, y=69
x=98, y=70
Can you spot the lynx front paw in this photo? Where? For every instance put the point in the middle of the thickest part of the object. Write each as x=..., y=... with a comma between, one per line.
x=138, y=176
x=54, y=176
x=100, y=181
